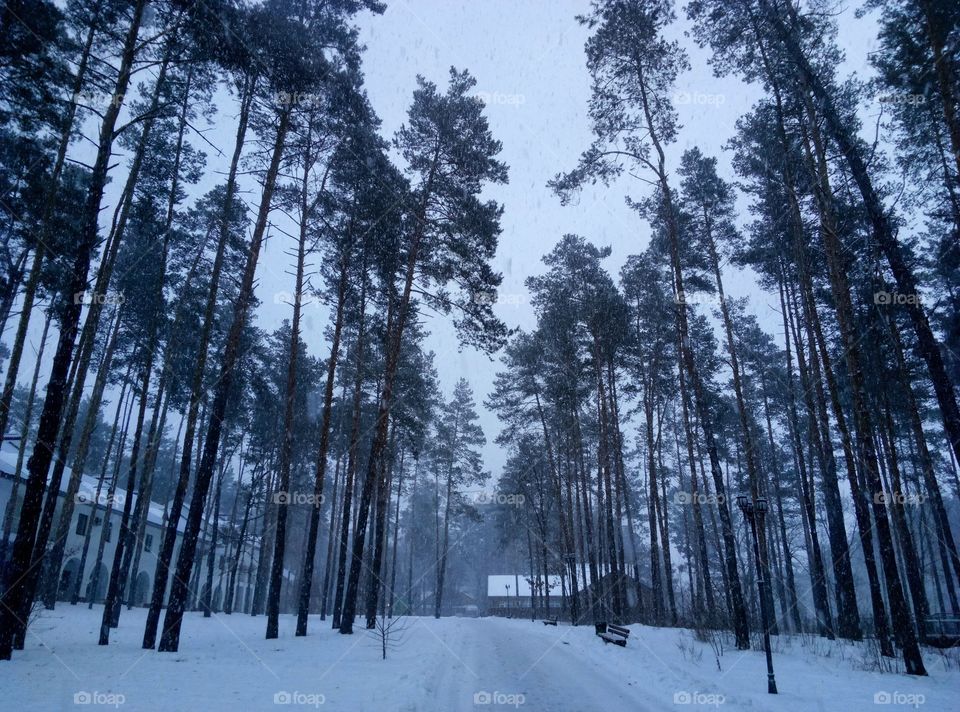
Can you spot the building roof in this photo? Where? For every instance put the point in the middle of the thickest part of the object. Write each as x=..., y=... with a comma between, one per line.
x=87, y=493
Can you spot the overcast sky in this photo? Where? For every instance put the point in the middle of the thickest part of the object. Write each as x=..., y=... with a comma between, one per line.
x=527, y=57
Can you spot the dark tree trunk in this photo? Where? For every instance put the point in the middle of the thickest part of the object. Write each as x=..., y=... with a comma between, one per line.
x=170, y=639
x=165, y=556
x=18, y=589
x=306, y=577
x=352, y=454
x=839, y=131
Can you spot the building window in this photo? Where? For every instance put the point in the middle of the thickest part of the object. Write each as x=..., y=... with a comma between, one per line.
x=148, y=543
x=82, y=520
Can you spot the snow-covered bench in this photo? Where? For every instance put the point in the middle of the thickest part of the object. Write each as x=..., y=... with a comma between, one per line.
x=550, y=621
x=613, y=634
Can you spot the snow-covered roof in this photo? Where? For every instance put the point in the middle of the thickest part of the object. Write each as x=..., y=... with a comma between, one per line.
x=87, y=493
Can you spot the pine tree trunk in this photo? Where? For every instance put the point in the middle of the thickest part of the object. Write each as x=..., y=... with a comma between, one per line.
x=170, y=639
x=286, y=445
x=207, y=604
x=911, y=565
x=331, y=537
x=352, y=457
x=882, y=230
x=235, y=565
x=19, y=584
x=445, y=545
x=306, y=578
x=88, y=534
x=818, y=571
x=266, y=546
x=165, y=555
x=24, y=434
x=753, y=473
x=791, y=600
x=696, y=497
x=81, y=364
x=49, y=209
x=396, y=537
x=111, y=608
x=107, y=529
x=392, y=359
x=375, y=588
x=900, y=615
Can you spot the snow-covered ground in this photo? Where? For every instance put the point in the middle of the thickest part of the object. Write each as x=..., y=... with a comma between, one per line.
x=442, y=666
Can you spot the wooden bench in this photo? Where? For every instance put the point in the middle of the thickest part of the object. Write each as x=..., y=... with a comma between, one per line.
x=613, y=634
x=550, y=621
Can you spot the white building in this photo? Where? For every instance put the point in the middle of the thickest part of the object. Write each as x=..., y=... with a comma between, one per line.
x=89, y=514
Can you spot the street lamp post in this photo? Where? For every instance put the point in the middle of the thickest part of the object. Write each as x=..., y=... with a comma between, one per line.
x=754, y=512
x=507, y=586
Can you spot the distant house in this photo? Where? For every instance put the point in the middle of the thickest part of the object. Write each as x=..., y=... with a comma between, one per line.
x=90, y=515
x=507, y=592
x=457, y=601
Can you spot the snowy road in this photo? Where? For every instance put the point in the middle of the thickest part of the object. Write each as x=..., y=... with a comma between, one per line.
x=509, y=663
x=447, y=665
